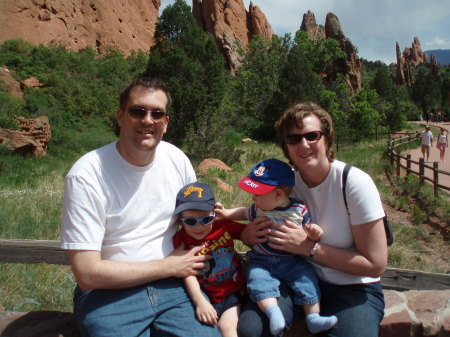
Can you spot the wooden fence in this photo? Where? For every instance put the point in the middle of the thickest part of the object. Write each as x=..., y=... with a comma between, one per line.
x=48, y=251
x=405, y=162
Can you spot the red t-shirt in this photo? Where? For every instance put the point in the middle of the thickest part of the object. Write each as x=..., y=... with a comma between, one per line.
x=223, y=274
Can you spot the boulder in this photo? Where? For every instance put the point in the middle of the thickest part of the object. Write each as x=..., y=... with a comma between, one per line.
x=211, y=163
x=31, y=82
x=223, y=185
x=31, y=139
x=8, y=83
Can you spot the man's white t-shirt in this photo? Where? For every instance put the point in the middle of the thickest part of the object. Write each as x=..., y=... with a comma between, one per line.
x=326, y=205
x=426, y=137
x=122, y=210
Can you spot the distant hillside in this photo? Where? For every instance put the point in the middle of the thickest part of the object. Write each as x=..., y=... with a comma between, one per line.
x=442, y=56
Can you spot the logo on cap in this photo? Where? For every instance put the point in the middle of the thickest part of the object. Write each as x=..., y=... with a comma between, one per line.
x=192, y=189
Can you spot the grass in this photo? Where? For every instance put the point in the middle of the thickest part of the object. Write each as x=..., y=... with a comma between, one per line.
x=31, y=196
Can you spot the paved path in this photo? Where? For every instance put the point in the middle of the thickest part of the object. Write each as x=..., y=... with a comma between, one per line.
x=416, y=154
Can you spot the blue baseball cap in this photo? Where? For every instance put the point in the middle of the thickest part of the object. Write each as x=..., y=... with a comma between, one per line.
x=266, y=176
x=195, y=196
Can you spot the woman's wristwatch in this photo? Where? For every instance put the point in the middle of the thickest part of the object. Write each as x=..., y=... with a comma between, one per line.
x=314, y=249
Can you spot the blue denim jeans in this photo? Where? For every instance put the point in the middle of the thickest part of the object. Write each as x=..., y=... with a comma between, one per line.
x=265, y=272
x=359, y=308
x=158, y=309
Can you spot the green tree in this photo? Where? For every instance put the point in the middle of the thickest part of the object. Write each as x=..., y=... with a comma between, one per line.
x=256, y=82
x=426, y=90
x=190, y=62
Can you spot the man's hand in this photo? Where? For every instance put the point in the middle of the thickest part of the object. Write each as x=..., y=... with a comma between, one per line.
x=187, y=262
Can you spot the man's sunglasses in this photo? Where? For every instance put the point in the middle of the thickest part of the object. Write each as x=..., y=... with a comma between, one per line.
x=206, y=220
x=157, y=116
x=312, y=136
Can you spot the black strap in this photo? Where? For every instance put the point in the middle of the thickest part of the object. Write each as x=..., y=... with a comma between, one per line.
x=387, y=226
x=347, y=168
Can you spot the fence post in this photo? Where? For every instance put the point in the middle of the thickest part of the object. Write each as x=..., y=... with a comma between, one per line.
x=408, y=164
x=436, y=179
x=421, y=170
x=398, y=163
x=391, y=149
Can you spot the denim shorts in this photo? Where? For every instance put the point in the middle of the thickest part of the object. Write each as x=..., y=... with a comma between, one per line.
x=158, y=309
x=265, y=272
x=228, y=302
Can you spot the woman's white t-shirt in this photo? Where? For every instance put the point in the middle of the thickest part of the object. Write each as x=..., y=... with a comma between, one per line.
x=325, y=203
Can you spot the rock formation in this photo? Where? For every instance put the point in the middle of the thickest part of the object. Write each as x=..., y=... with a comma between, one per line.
x=126, y=24
x=231, y=25
x=411, y=57
x=351, y=66
x=434, y=66
x=310, y=26
x=31, y=139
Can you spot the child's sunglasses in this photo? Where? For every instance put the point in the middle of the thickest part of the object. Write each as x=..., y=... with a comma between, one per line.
x=206, y=220
x=157, y=116
x=310, y=137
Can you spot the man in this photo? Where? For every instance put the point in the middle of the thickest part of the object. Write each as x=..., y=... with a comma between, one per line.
x=117, y=225
x=426, y=142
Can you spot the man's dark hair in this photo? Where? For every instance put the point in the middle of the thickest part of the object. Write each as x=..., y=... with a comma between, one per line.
x=150, y=83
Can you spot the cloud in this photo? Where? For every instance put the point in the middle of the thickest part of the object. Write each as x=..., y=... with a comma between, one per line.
x=374, y=26
x=437, y=43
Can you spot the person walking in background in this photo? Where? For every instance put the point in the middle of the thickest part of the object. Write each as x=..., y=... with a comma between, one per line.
x=118, y=224
x=426, y=142
x=352, y=252
x=427, y=116
x=441, y=144
x=223, y=278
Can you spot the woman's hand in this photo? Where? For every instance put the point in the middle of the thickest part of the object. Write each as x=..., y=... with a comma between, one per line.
x=290, y=238
x=256, y=231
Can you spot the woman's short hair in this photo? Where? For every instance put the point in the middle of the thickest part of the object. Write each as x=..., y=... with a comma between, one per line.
x=294, y=116
x=150, y=83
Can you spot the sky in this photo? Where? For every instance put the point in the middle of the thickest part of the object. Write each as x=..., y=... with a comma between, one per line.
x=373, y=26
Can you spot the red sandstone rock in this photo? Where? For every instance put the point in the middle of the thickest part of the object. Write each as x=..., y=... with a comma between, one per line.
x=211, y=163
x=411, y=57
x=223, y=185
x=351, y=66
x=231, y=25
x=9, y=83
x=260, y=25
x=77, y=24
x=31, y=82
x=310, y=26
x=38, y=324
x=31, y=139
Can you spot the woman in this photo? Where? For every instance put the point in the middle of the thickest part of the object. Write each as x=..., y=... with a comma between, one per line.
x=442, y=143
x=352, y=253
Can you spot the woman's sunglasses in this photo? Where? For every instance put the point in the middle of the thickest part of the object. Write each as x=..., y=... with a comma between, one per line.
x=157, y=116
x=206, y=220
x=312, y=136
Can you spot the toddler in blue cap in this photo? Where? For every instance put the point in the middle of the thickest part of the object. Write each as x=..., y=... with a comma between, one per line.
x=270, y=182
x=223, y=279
